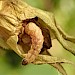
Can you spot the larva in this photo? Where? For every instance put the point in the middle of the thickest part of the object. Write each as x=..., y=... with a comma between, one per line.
x=37, y=40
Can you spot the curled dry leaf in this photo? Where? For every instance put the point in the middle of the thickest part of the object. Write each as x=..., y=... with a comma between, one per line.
x=28, y=32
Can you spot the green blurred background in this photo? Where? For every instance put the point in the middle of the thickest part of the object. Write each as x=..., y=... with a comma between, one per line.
x=64, y=11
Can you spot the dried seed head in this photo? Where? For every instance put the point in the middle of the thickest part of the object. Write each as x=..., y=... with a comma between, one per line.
x=22, y=30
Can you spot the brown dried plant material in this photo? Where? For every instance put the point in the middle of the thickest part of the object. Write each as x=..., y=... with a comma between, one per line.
x=28, y=32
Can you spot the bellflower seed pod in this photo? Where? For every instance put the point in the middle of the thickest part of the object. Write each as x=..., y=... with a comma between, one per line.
x=22, y=31
x=29, y=31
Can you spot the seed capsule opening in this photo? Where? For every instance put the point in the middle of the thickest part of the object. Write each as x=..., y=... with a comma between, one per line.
x=33, y=38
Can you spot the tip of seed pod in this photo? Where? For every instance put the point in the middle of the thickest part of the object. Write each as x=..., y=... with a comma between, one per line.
x=24, y=62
